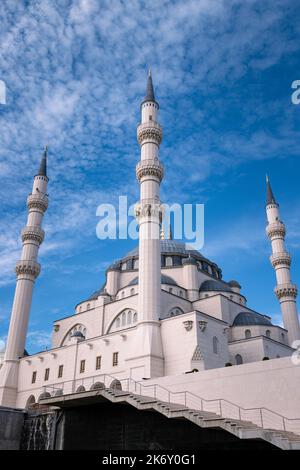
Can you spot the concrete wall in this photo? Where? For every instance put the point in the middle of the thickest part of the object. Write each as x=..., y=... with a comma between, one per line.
x=11, y=424
x=272, y=384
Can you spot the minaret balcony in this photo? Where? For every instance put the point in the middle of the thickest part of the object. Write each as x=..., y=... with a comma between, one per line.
x=149, y=167
x=28, y=267
x=286, y=290
x=280, y=260
x=32, y=234
x=149, y=131
x=276, y=230
x=38, y=201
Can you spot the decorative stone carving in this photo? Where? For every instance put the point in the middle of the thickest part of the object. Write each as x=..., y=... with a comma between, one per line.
x=149, y=132
x=188, y=325
x=202, y=325
x=56, y=328
x=197, y=356
x=33, y=233
x=286, y=290
x=37, y=201
x=276, y=229
x=31, y=268
x=149, y=208
x=149, y=168
x=278, y=259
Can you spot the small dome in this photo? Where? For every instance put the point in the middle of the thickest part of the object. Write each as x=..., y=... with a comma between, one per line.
x=234, y=284
x=77, y=334
x=164, y=280
x=214, y=286
x=251, y=318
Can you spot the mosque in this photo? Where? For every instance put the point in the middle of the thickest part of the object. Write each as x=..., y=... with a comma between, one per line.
x=164, y=316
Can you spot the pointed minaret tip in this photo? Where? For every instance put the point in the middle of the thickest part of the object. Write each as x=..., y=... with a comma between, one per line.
x=149, y=91
x=43, y=164
x=270, y=196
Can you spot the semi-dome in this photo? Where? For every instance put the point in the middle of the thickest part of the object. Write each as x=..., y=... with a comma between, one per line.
x=215, y=286
x=251, y=318
x=164, y=280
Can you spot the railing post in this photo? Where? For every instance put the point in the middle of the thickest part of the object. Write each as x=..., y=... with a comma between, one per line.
x=261, y=418
x=240, y=418
x=283, y=420
x=220, y=404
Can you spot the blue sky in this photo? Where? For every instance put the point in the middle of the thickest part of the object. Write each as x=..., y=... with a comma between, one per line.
x=75, y=74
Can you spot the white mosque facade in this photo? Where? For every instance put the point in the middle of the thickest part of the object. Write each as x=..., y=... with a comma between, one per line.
x=164, y=314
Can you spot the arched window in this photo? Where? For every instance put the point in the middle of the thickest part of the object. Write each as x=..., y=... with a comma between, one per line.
x=123, y=266
x=268, y=334
x=215, y=342
x=123, y=320
x=238, y=359
x=169, y=261
x=132, y=291
x=123, y=294
x=80, y=308
x=30, y=402
x=247, y=334
x=136, y=264
x=282, y=337
x=170, y=290
x=88, y=306
x=175, y=311
x=80, y=389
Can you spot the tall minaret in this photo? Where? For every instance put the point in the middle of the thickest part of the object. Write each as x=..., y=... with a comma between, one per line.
x=27, y=270
x=149, y=172
x=285, y=291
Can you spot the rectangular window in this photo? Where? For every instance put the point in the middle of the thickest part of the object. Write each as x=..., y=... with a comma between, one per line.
x=115, y=358
x=60, y=371
x=82, y=366
x=33, y=380
x=47, y=372
x=98, y=362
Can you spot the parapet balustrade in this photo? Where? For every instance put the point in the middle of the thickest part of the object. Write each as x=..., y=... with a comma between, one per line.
x=262, y=417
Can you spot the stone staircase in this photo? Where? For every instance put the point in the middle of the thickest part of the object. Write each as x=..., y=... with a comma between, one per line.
x=284, y=440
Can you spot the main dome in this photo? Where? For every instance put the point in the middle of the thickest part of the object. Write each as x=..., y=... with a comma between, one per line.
x=178, y=251
x=171, y=246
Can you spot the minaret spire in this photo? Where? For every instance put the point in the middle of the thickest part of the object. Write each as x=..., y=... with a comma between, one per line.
x=27, y=270
x=149, y=89
x=285, y=290
x=43, y=164
x=270, y=195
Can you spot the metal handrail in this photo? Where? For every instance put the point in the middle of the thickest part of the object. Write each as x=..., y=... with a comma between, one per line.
x=186, y=394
